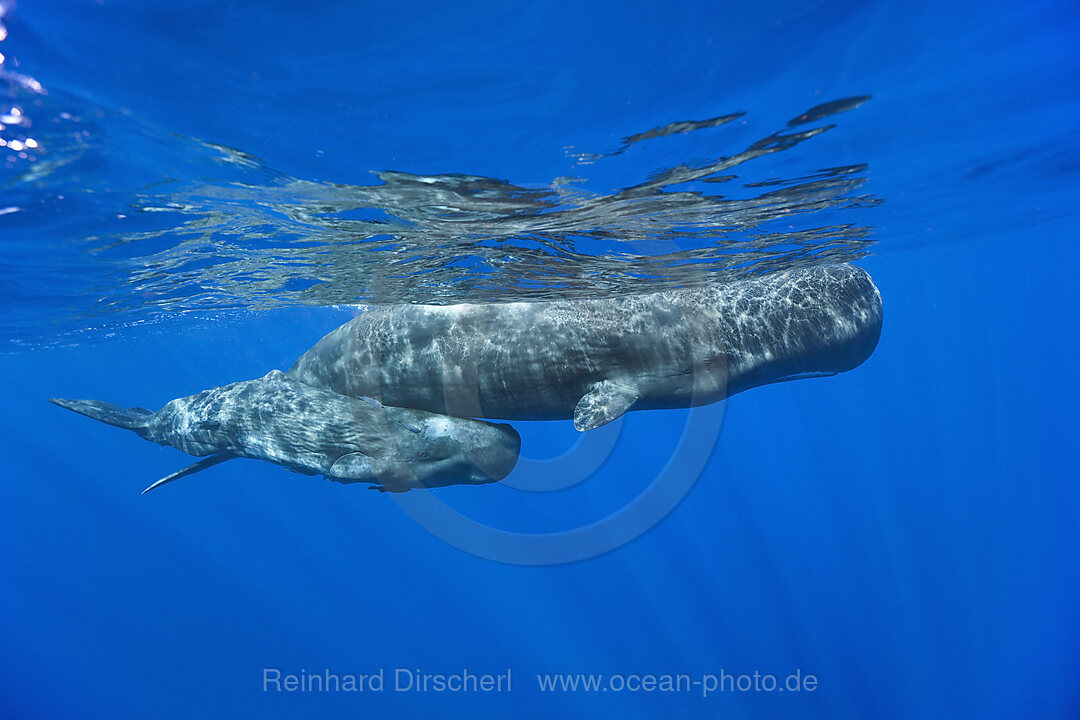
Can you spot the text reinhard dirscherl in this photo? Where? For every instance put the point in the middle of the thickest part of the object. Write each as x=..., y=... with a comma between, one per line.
x=396, y=680
x=467, y=681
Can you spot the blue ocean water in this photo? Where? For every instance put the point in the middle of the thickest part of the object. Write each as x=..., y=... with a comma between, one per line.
x=186, y=215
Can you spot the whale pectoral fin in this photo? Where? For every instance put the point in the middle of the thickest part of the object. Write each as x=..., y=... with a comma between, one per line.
x=352, y=467
x=191, y=469
x=605, y=401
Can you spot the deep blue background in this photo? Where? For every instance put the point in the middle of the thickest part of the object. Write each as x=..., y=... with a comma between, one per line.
x=908, y=532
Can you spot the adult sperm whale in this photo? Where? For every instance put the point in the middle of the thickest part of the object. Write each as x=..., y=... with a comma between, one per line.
x=595, y=359
x=314, y=431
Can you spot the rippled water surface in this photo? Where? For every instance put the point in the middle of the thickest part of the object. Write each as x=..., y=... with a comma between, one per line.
x=228, y=231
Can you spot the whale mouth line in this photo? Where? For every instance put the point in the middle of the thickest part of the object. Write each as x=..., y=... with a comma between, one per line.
x=807, y=375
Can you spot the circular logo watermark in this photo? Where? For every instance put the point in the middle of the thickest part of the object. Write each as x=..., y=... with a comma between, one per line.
x=684, y=466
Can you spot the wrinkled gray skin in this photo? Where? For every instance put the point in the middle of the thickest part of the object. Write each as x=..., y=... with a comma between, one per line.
x=595, y=359
x=314, y=431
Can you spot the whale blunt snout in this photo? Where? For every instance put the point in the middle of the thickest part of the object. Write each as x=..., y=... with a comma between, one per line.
x=858, y=300
x=813, y=323
x=475, y=453
x=497, y=457
x=842, y=320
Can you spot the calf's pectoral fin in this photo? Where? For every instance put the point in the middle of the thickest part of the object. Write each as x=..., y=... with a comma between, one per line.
x=191, y=469
x=604, y=401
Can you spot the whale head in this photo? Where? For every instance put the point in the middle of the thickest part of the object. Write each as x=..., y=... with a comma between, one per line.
x=814, y=322
x=431, y=450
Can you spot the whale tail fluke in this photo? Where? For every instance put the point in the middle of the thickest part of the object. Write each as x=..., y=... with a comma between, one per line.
x=137, y=419
x=130, y=419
